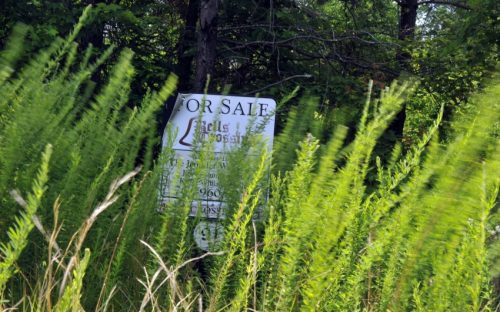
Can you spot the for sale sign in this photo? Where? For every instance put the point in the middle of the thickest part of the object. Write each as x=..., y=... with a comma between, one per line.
x=222, y=120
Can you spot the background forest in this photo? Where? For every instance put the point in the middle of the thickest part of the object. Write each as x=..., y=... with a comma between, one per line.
x=383, y=200
x=330, y=48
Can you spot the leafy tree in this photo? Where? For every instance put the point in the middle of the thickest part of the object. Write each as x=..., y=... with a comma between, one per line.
x=455, y=52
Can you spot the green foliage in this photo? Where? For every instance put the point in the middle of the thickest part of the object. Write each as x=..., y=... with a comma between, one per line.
x=329, y=238
x=18, y=234
x=95, y=138
x=301, y=120
x=453, y=57
x=70, y=300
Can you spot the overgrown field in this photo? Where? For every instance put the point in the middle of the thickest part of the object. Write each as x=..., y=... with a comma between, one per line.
x=342, y=229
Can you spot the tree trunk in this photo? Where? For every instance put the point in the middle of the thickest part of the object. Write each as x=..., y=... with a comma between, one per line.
x=407, y=23
x=207, y=43
x=187, y=40
x=184, y=67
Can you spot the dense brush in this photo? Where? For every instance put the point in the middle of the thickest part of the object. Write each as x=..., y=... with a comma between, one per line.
x=327, y=238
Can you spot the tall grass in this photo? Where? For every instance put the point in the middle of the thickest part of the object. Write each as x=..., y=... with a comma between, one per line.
x=90, y=234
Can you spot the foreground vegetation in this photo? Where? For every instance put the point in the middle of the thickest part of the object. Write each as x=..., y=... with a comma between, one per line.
x=343, y=229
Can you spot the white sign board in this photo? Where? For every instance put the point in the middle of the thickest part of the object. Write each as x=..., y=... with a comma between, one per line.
x=224, y=119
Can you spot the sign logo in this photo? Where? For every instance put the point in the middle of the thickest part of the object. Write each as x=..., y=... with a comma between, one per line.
x=208, y=234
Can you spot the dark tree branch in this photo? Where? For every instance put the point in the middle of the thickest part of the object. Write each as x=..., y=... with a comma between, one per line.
x=277, y=83
x=308, y=37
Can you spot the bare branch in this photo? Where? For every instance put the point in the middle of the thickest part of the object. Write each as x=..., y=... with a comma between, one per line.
x=278, y=82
